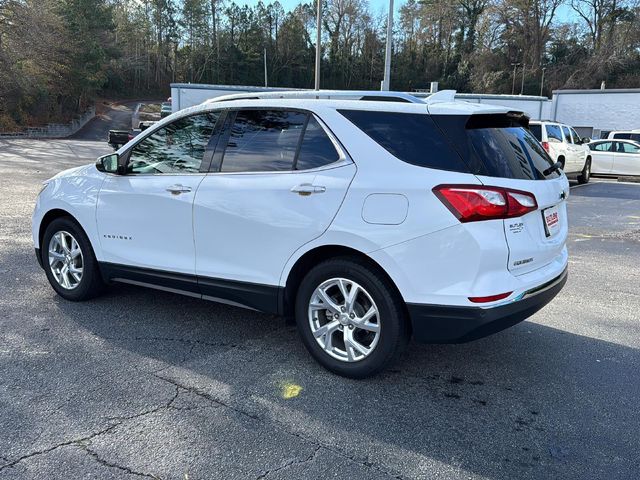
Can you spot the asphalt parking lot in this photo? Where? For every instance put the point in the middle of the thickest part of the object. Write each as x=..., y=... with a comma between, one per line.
x=150, y=384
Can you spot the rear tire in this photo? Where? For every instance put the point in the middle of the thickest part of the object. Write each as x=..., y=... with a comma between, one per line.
x=586, y=172
x=351, y=318
x=69, y=261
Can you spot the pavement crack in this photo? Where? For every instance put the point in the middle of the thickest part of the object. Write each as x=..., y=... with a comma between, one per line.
x=81, y=442
x=76, y=441
x=290, y=463
x=208, y=397
x=283, y=428
x=93, y=454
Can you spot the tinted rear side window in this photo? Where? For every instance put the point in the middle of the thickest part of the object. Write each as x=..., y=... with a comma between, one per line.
x=553, y=133
x=317, y=149
x=497, y=145
x=263, y=140
x=536, y=131
x=411, y=137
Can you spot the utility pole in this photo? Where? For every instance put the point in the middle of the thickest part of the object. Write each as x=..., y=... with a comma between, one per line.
x=318, y=46
x=542, y=80
x=522, y=84
x=386, y=82
x=266, y=82
x=513, y=84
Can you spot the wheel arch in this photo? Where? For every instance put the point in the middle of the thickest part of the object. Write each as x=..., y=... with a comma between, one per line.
x=49, y=217
x=315, y=256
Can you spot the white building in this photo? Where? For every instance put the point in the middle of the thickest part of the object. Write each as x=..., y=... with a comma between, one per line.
x=591, y=112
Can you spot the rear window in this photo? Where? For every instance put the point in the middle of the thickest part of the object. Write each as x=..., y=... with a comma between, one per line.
x=536, y=131
x=628, y=136
x=497, y=145
x=411, y=137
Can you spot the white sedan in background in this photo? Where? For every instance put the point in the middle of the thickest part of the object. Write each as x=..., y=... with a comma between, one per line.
x=615, y=157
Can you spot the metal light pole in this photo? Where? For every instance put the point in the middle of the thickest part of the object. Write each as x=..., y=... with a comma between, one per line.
x=513, y=84
x=318, y=46
x=522, y=84
x=542, y=80
x=266, y=83
x=387, y=54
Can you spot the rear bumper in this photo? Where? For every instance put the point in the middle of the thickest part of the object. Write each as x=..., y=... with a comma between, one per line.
x=456, y=324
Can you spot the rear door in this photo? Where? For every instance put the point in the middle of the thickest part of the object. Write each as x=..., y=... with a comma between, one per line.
x=626, y=159
x=277, y=180
x=572, y=159
x=557, y=146
x=602, y=157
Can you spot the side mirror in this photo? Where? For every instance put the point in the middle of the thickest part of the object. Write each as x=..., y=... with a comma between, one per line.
x=108, y=163
x=586, y=140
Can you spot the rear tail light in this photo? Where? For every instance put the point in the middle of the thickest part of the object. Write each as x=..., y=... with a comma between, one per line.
x=545, y=145
x=472, y=203
x=490, y=298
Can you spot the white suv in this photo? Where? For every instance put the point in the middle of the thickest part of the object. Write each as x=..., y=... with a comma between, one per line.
x=368, y=221
x=625, y=135
x=564, y=145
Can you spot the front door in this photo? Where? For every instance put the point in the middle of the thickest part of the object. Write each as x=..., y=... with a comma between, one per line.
x=278, y=186
x=602, y=157
x=145, y=217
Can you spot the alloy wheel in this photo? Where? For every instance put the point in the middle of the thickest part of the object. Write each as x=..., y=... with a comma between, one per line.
x=344, y=319
x=65, y=260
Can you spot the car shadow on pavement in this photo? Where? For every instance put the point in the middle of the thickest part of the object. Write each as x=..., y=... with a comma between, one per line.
x=533, y=401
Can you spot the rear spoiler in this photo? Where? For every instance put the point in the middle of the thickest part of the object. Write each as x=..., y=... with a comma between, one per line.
x=498, y=120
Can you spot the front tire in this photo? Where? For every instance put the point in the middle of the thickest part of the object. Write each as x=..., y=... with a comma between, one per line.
x=69, y=261
x=586, y=172
x=351, y=318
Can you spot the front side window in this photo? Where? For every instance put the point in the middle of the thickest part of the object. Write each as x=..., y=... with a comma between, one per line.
x=263, y=141
x=553, y=133
x=601, y=147
x=576, y=138
x=175, y=148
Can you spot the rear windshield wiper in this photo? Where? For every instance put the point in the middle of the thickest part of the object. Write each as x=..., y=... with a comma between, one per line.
x=553, y=168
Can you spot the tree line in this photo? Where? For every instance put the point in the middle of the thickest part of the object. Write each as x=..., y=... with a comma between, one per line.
x=56, y=56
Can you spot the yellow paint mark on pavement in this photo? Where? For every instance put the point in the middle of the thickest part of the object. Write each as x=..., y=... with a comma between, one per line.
x=290, y=390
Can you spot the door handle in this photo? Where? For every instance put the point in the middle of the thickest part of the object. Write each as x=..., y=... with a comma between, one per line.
x=306, y=189
x=178, y=189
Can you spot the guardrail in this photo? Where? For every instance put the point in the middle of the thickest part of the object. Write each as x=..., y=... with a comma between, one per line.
x=54, y=130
